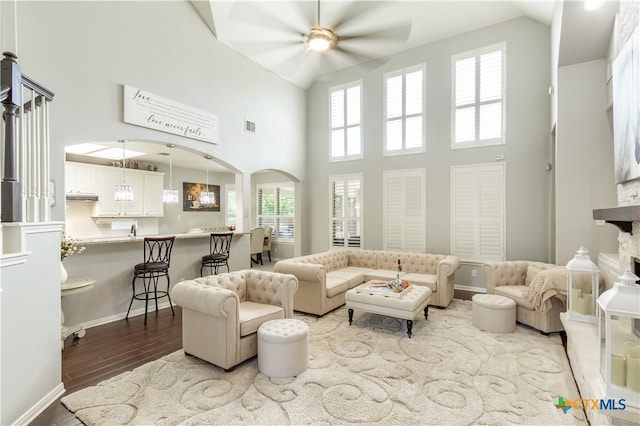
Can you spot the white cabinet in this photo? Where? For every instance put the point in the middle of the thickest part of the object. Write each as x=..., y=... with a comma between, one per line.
x=80, y=178
x=153, y=186
x=147, y=193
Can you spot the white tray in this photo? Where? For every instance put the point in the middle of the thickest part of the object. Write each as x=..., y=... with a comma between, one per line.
x=382, y=291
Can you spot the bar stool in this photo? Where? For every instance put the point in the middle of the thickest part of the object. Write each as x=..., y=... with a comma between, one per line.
x=157, y=255
x=219, y=248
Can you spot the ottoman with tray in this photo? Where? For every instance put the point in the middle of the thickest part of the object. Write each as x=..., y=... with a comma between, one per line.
x=408, y=304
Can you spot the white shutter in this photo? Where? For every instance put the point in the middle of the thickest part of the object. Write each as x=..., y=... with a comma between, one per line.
x=393, y=211
x=491, y=207
x=478, y=207
x=414, y=212
x=404, y=206
x=345, y=194
x=464, y=199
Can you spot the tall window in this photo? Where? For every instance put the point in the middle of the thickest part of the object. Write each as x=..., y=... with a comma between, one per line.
x=231, y=204
x=404, y=111
x=478, y=212
x=479, y=93
x=346, y=210
x=276, y=208
x=346, y=117
x=404, y=210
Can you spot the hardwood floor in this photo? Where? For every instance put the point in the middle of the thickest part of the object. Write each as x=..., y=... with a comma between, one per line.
x=110, y=349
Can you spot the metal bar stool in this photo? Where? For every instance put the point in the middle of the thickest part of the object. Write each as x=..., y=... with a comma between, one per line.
x=157, y=256
x=219, y=248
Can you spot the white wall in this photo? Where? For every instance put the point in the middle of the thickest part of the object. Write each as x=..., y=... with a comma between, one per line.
x=30, y=332
x=85, y=51
x=584, y=162
x=526, y=152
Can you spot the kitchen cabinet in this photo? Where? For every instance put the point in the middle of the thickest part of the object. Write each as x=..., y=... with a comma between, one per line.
x=80, y=178
x=147, y=190
x=153, y=186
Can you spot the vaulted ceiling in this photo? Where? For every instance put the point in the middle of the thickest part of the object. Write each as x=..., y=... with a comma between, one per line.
x=271, y=33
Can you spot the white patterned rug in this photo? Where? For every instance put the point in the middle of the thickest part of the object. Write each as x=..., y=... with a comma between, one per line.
x=449, y=373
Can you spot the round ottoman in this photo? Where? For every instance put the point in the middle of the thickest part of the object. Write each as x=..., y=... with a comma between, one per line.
x=492, y=312
x=283, y=347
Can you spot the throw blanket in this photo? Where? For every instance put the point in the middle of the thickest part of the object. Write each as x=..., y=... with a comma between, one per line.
x=553, y=282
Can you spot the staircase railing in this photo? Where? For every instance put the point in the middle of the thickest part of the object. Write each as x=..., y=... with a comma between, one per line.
x=25, y=189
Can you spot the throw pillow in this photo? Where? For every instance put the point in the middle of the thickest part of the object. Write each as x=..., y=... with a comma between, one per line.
x=532, y=271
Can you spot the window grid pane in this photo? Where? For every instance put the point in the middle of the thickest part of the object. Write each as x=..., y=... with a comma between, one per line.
x=479, y=87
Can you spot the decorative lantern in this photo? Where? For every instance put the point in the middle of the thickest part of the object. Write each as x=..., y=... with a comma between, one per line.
x=583, y=287
x=620, y=339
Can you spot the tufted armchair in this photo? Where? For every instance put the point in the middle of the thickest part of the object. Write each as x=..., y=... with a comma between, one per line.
x=515, y=279
x=221, y=313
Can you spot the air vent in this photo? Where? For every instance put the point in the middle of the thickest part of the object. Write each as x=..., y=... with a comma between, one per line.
x=249, y=126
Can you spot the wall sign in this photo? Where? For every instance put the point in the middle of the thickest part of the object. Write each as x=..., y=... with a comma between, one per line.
x=146, y=109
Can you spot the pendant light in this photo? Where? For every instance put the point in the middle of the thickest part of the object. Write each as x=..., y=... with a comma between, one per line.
x=207, y=197
x=170, y=196
x=123, y=192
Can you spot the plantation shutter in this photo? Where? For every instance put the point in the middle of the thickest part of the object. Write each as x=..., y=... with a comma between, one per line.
x=286, y=211
x=478, y=212
x=346, y=211
x=404, y=205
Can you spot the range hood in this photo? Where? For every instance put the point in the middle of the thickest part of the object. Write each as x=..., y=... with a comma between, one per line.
x=81, y=197
x=622, y=217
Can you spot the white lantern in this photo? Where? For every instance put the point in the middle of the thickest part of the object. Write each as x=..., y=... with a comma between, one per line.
x=583, y=288
x=620, y=340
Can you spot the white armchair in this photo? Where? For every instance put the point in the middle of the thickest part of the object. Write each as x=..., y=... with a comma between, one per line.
x=221, y=314
x=514, y=279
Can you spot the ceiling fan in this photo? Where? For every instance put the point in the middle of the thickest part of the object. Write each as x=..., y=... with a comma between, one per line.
x=343, y=33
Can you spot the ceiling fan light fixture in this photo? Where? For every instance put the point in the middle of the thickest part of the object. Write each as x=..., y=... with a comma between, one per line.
x=321, y=39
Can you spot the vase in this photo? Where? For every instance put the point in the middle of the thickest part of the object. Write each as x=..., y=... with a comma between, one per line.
x=63, y=273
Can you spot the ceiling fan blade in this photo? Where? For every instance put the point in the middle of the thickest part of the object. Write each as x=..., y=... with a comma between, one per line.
x=355, y=10
x=399, y=33
x=258, y=47
x=254, y=13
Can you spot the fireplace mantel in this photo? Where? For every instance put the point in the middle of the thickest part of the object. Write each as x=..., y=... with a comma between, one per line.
x=622, y=217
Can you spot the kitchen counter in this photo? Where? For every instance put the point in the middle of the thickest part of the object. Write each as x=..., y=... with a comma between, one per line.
x=111, y=261
x=126, y=239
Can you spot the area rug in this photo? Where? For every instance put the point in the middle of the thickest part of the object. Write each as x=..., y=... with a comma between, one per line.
x=449, y=372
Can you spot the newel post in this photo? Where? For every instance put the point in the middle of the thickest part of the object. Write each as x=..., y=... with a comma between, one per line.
x=11, y=80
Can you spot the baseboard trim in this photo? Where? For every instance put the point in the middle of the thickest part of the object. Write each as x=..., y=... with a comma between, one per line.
x=470, y=288
x=33, y=412
x=112, y=318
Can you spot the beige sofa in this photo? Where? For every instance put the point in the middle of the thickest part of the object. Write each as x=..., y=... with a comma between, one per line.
x=325, y=277
x=221, y=313
x=513, y=279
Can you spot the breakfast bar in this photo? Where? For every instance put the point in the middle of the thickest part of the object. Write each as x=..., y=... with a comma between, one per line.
x=110, y=261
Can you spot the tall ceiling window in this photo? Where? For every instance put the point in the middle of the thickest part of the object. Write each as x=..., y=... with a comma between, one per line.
x=479, y=94
x=276, y=207
x=404, y=111
x=346, y=119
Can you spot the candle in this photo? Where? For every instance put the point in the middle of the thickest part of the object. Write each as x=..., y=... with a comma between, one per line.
x=633, y=373
x=618, y=370
x=576, y=293
x=631, y=349
x=588, y=304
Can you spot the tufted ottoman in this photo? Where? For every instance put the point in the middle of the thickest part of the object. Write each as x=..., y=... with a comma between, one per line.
x=492, y=312
x=283, y=347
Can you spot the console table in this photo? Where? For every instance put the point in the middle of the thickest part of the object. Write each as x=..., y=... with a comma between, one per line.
x=583, y=351
x=72, y=286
